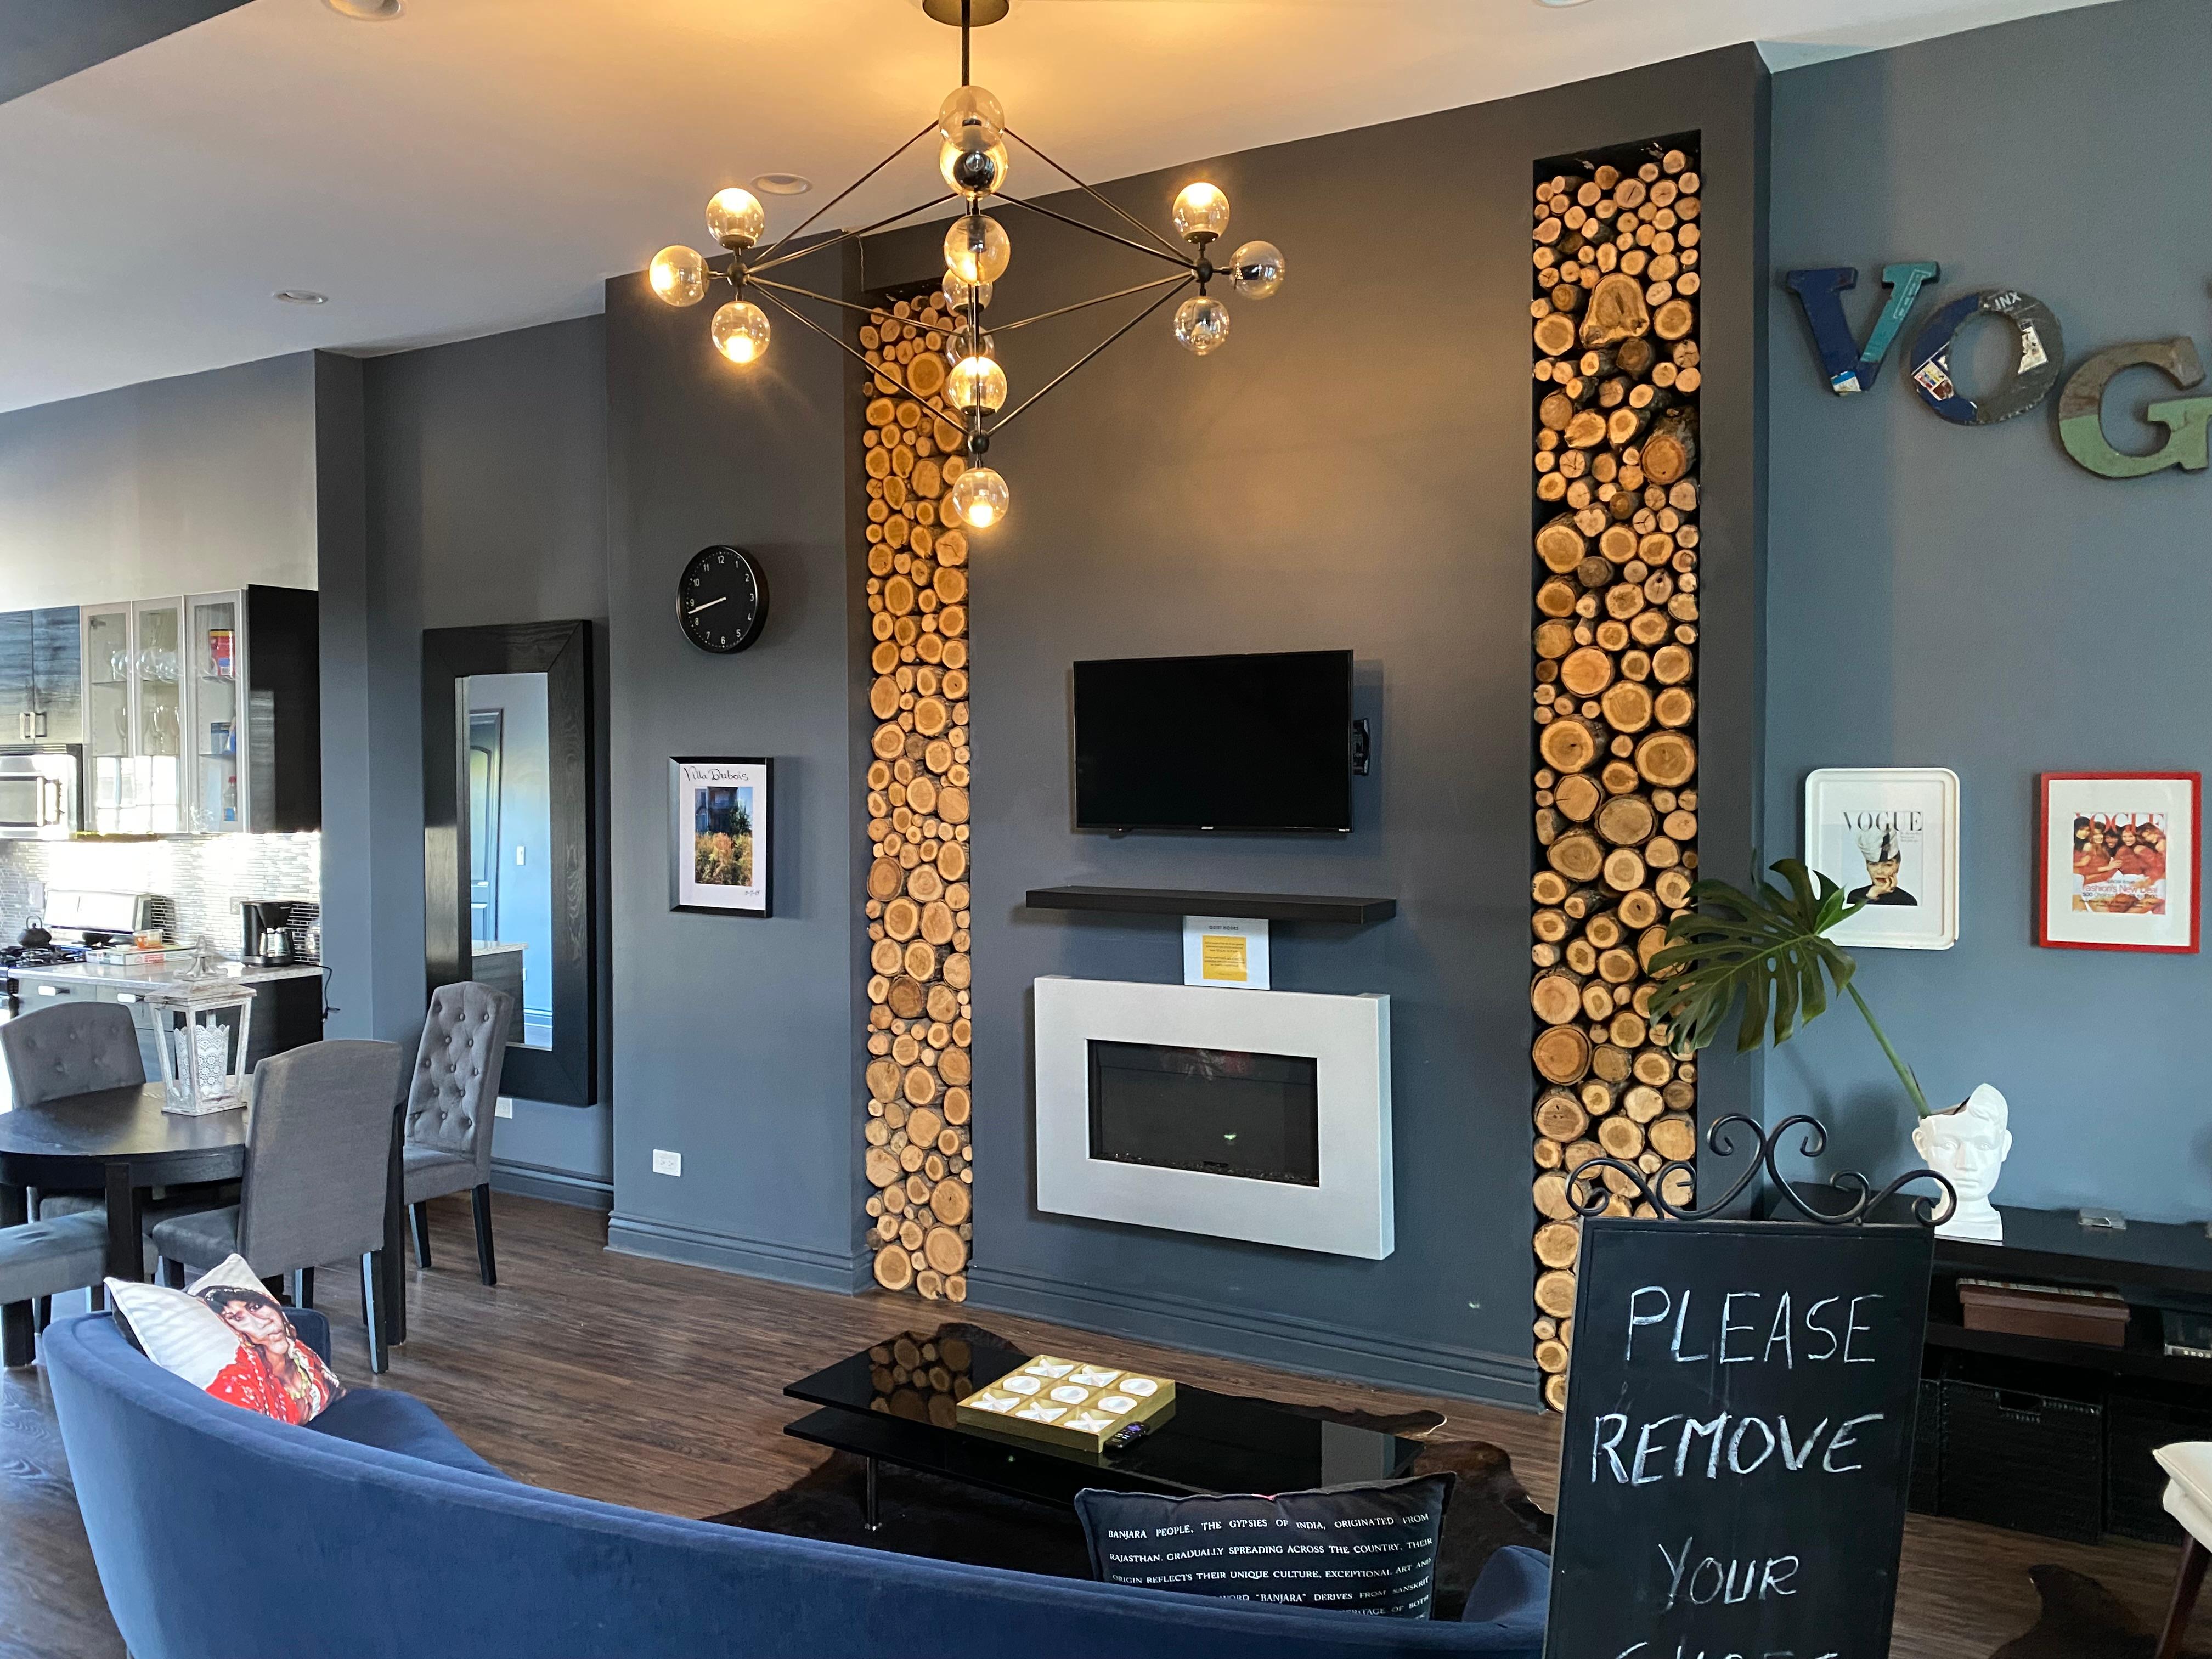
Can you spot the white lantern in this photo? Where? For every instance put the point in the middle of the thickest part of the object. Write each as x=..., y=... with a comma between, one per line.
x=202, y=1057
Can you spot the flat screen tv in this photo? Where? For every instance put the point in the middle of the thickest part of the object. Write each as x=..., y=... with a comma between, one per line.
x=1260, y=742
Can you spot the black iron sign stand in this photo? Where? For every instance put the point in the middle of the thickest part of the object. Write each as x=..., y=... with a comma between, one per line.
x=1739, y=1434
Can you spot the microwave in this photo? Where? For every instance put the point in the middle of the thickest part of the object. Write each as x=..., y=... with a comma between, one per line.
x=41, y=793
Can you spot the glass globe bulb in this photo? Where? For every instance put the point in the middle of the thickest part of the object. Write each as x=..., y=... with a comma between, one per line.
x=740, y=331
x=1201, y=212
x=1201, y=324
x=979, y=498
x=976, y=383
x=977, y=249
x=735, y=218
x=963, y=343
x=974, y=172
x=967, y=113
x=1256, y=269
x=957, y=292
x=679, y=276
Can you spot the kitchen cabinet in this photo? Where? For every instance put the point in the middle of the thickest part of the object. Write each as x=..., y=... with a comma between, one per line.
x=57, y=675
x=202, y=714
x=41, y=689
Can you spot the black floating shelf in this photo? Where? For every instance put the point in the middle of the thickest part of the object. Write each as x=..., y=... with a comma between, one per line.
x=1184, y=902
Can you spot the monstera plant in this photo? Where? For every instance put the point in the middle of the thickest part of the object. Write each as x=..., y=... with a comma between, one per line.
x=1768, y=951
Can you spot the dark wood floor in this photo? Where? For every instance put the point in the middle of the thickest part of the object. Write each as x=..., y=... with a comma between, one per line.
x=645, y=1384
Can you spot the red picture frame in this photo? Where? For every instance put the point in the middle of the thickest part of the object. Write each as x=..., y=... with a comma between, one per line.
x=2118, y=861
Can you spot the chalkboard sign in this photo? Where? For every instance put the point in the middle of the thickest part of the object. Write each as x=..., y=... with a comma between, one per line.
x=1739, y=1439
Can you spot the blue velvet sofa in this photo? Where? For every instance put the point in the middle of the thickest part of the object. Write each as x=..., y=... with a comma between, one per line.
x=222, y=1534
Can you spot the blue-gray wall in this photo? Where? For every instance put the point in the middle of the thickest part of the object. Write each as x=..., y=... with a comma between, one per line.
x=482, y=499
x=1351, y=472
x=735, y=1036
x=1970, y=598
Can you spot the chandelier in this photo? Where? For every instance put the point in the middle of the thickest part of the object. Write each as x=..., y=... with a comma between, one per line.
x=973, y=160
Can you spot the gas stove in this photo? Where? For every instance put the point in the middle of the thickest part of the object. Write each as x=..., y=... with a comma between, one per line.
x=38, y=956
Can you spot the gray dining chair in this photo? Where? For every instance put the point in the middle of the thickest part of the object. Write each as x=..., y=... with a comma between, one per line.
x=451, y=1100
x=41, y=1260
x=72, y=1048
x=318, y=1158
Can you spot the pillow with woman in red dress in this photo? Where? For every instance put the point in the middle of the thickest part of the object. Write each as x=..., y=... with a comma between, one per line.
x=228, y=1335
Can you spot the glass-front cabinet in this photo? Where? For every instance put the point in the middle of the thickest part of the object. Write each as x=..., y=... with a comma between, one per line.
x=144, y=690
x=184, y=731
x=215, y=645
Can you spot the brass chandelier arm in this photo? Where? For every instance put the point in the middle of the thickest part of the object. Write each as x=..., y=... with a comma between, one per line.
x=1111, y=236
x=1094, y=195
x=805, y=321
x=801, y=225
x=809, y=293
x=1120, y=294
x=1014, y=413
x=847, y=235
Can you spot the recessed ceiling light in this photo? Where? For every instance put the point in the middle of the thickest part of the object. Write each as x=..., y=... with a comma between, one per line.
x=782, y=184
x=368, y=11
x=1541, y=2
x=300, y=296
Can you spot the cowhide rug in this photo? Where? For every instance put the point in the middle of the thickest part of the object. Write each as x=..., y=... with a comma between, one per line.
x=2083, y=1619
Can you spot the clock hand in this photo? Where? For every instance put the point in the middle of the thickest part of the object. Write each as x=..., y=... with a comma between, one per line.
x=709, y=606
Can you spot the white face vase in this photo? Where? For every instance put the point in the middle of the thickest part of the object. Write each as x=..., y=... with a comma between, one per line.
x=1967, y=1145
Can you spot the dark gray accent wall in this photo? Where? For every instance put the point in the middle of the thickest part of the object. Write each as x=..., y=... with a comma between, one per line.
x=737, y=1035
x=44, y=40
x=1970, y=598
x=484, y=501
x=185, y=485
x=1352, y=470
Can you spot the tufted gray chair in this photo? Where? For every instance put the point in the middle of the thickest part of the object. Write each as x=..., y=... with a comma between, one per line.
x=72, y=1048
x=451, y=1102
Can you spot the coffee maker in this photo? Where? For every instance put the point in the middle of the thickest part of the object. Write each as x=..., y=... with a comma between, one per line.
x=268, y=941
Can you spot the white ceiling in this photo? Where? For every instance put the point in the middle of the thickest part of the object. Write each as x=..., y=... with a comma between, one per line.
x=480, y=165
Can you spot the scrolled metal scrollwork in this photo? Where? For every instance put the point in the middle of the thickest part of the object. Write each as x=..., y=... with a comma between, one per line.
x=1588, y=1194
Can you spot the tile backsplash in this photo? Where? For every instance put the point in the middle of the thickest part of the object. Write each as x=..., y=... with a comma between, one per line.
x=203, y=877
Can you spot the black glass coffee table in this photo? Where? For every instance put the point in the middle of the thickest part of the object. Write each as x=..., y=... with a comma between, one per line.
x=893, y=1404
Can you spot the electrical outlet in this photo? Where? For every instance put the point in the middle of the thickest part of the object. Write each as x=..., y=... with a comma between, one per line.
x=667, y=1162
x=502, y=1107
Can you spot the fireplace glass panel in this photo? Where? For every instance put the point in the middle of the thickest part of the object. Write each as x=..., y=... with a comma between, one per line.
x=1219, y=1111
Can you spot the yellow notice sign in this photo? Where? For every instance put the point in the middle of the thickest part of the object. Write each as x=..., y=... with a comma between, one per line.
x=1221, y=956
x=1225, y=951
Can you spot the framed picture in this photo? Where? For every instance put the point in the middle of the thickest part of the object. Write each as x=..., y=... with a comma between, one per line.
x=720, y=858
x=2118, y=861
x=1888, y=835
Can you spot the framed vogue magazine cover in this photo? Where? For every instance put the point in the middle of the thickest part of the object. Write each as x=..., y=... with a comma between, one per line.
x=720, y=856
x=1888, y=835
x=2116, y=861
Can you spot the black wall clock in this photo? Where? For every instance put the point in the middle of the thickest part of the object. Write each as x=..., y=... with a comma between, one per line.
x=721, y=599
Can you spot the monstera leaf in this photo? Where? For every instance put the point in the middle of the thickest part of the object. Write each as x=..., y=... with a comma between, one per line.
x=1768, y=951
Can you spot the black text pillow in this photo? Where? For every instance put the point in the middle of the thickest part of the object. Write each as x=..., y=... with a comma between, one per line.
x=1363, y=1549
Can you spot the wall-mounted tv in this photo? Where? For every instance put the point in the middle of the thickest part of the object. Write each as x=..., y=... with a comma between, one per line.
x=1259, y=741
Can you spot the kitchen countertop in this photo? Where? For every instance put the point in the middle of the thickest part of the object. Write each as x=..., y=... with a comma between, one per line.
x=154, y=975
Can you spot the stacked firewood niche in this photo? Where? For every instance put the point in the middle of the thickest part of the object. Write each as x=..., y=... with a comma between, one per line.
x=918, y=1036
x=1615, y=249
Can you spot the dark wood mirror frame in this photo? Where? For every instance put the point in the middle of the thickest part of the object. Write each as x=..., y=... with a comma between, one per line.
x=569, y=1072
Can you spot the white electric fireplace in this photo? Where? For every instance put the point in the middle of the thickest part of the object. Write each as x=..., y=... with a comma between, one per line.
x=1254, y=1114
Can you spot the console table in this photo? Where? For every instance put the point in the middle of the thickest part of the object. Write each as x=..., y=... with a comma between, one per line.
x=2152, y=1264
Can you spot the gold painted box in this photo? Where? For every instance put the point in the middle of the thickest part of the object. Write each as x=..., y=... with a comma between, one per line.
x=1067, y=1402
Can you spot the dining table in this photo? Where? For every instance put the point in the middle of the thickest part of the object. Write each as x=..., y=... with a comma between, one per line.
x=120, y=1143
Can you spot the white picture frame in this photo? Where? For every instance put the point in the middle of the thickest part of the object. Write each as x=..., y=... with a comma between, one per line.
x=1890, y=833
x=720, y=859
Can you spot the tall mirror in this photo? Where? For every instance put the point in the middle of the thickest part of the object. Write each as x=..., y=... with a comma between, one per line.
x=507, y=785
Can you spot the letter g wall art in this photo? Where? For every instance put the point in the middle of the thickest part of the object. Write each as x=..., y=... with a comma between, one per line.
x=1852, y=366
